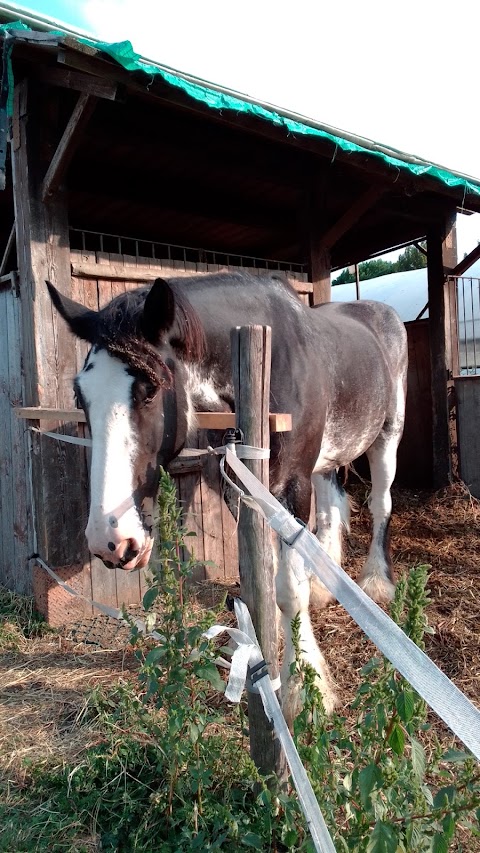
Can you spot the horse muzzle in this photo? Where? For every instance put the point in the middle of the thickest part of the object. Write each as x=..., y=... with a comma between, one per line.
x=127, y=556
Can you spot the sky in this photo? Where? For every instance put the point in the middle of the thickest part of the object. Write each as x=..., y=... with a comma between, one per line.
x=403, y=74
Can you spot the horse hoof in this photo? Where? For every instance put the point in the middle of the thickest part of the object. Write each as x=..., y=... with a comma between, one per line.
x=382, y=590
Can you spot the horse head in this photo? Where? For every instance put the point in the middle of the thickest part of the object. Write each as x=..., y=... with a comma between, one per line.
x=132, y=391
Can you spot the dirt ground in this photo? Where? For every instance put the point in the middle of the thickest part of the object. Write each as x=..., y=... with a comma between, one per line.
x=44, y=681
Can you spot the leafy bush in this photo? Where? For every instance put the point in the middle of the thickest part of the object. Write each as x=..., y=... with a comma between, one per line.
x=384, y=782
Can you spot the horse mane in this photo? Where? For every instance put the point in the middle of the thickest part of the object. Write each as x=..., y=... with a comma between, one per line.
x=119, y=331
x=189, y=334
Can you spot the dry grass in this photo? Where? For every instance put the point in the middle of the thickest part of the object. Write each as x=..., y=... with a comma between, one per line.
x=44, y=685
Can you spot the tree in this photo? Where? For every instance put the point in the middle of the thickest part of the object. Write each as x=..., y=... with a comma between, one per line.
x=411, y=259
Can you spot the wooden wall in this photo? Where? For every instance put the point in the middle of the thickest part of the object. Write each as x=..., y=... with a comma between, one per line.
x=16, y=534
x=467, y=389
x=415, y=454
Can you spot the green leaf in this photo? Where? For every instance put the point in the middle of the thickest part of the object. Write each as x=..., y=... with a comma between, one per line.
x=290, y=838
x=383, y=839
x=405, y=705
x=440, y=843
x=444, y=797
x=456, y=756
x=397, y=739
x=210, y=673
x=448, y=824
x=418, y=758
x=368, y=777
x=155, y=655
x=251, y=839
x=150, y=597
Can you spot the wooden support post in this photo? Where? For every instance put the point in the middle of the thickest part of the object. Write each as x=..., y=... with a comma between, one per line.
x=320, y=268
x=442, y=252
x=251, y=355
x=58, y=473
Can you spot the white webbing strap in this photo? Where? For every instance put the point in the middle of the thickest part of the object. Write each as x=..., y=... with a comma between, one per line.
x=60, y=436
x=244, y=451
x=429, y=681
x=248, y=654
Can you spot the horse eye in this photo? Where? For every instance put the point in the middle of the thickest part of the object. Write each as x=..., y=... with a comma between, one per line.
x=145, y=391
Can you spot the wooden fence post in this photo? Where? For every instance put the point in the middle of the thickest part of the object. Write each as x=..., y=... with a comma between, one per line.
x=251, y=356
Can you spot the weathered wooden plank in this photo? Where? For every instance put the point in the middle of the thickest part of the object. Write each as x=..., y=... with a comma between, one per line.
x=414, y=461
x=22, y=512
x=251, y=360
x=142, y=270
x=230, y=542
x=442, y=251
x=66, y=147
x=79, y=82
x=7, y=552
x=279, y=422
x=468, y=397
x=211, y=509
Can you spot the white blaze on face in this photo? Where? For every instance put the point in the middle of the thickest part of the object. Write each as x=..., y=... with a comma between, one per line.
x=106, y=388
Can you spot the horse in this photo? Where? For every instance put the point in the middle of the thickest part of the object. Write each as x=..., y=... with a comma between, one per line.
x=161, y=353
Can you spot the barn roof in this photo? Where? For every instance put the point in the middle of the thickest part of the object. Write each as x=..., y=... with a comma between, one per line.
x=172, y=157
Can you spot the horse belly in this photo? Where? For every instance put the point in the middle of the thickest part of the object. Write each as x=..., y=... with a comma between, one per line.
x=343, y=442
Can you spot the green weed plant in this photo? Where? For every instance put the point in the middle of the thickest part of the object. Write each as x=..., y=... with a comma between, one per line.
x=170, y=770
x=384, y=781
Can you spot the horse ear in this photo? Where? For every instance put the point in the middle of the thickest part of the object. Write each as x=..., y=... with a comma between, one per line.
x=83, y=321
x=158, y=311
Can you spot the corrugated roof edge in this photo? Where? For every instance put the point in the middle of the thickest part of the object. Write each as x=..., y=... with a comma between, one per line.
x=220, y=98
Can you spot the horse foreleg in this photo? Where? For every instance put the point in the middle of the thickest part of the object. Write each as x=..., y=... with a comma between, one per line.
x=293, y=594
x=376, y=577
x=333, y=515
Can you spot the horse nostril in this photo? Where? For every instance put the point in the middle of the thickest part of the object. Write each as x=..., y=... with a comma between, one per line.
x=130, y=553
x=111, y=546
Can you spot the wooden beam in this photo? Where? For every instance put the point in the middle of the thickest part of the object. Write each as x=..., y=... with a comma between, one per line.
x=279, y=422
x=420, y=248
x=467, y=262
x=352, y=215
x=78, y=82
x=123, y=272
x=320, y=267
x=442, y=249
x=67, y=145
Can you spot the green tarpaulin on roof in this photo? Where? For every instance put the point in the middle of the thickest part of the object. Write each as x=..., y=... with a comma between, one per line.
x=123, y=53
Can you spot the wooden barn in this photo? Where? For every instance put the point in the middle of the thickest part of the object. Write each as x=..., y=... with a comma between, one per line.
x=116, y=170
